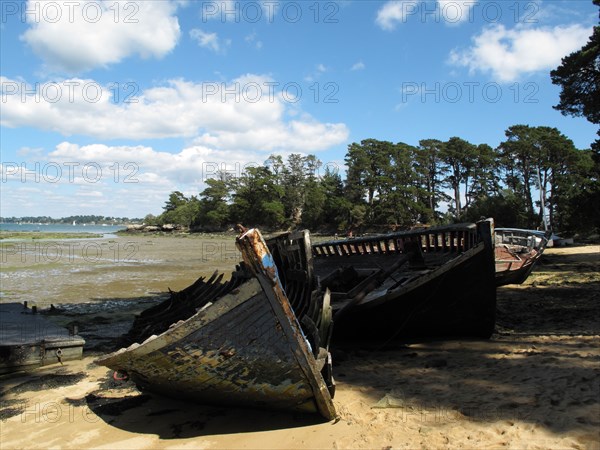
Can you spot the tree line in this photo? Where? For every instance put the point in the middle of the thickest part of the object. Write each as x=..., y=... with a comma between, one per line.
x=534, y=177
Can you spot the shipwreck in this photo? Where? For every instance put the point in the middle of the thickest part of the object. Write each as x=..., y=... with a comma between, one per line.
x=248, y=341
x=428, y=282
x=262, y=337
x=516, y=253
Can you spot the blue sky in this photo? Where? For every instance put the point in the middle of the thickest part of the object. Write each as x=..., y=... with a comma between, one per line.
x=109, y=106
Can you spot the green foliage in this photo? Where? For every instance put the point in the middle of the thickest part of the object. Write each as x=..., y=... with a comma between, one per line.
x=336, y=208
x=383, y=186
x=536, y=172
x=301, y=192
x=579, y=77
x=214, y=209
x=579, y=209
x=518, y=155
x=486, y=180
x=176, y=199
x=430, y=172
x=150, y=219
x=257, y=198
x=460, y=159
x=507, y=208
x=179, y=210
x=540, y=159
x=314, y=205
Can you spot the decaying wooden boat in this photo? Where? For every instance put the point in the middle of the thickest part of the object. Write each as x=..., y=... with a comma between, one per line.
x=262, y=337
x=434, y=281
x=259, y=339
x=517, y=252
x=28, y=340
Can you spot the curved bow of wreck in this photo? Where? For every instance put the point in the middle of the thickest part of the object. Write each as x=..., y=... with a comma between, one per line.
x=237, y=342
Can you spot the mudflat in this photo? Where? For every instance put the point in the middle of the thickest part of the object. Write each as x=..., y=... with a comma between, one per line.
x=535, y=384
x=45, y=272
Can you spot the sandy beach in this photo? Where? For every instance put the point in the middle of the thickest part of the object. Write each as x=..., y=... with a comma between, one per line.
x=535, y=384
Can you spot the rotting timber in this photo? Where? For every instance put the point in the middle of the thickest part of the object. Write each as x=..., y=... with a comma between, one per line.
x=517, y=252
x=428, y=282
x=241, y=342
x=261, y=339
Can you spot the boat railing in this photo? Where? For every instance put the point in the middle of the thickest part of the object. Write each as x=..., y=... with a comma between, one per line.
x=523, y=238
x=443, y=240
x=514, y=239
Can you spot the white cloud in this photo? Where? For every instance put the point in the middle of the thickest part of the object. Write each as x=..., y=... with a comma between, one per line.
x=127, y=181
x=251, y=39
x=112, y=180
x=245, y=113
x=358, y=66
x=120, y=180
x=209, y=40
x=297, y=135
x=144, y=165
x=88, y=193
x=507, y=54
x=30, y=152
x=453, y=11
x=319, y=70
x=74, y=37
x=392, y=13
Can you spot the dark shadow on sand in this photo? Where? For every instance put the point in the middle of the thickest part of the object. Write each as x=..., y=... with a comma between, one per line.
x=552, y=383
x=170, y=418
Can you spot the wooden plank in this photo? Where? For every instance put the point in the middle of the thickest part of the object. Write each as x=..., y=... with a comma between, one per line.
x=256, y=254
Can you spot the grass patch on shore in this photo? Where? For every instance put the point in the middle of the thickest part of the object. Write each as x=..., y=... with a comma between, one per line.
x=31, y=235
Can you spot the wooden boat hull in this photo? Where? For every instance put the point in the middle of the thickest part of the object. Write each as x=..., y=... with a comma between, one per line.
x=245, y=348
x=446, y=288
x=516, y=254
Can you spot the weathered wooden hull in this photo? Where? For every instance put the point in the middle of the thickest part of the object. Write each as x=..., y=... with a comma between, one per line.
x=244, y=348
x=438, y=281
x=28, y=340
x=516, y=253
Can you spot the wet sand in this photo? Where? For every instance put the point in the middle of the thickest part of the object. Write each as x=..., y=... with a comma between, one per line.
x=124, y=267
x=535, y=384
